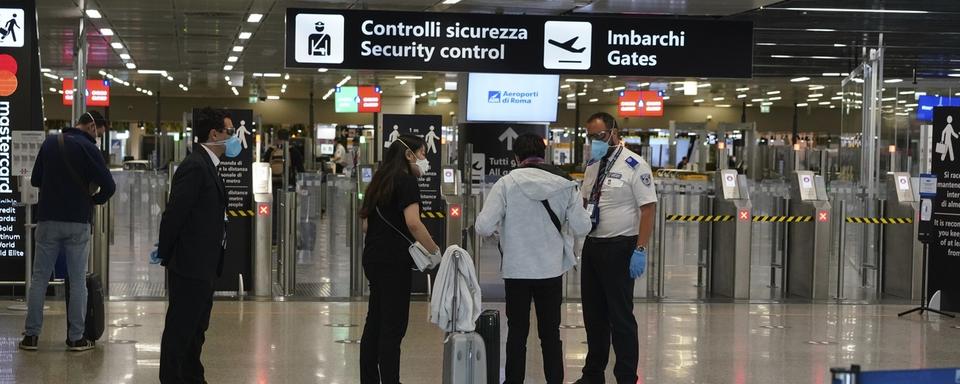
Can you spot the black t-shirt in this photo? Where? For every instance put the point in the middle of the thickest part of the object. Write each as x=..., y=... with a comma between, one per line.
x=383, y=245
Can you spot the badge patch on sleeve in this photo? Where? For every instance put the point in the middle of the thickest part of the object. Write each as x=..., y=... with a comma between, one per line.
x=632, y=162
x=645, y=179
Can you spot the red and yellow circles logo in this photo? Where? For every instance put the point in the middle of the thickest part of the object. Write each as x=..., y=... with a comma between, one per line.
x=8, y=75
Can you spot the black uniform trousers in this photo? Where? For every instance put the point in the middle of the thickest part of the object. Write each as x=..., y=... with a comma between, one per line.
x=607, y=291
x=188, y=316
x=388, y=313
x=547, y=295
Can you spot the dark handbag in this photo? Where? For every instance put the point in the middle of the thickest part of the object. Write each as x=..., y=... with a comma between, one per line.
x=91, y=188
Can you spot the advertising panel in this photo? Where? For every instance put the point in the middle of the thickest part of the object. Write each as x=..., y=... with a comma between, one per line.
x=503, y=97
x=21, y=109
x=429, y=41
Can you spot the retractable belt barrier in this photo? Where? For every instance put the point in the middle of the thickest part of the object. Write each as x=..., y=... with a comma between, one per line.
x=782, y=219
x=700, y=218
x=880, y=220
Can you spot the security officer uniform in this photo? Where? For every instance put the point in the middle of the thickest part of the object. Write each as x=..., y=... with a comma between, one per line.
x=624, y=183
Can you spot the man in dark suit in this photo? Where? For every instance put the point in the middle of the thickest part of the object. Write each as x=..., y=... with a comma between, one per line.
x=192, y=244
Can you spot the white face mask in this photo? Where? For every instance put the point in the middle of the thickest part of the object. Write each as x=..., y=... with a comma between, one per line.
x=424, y=166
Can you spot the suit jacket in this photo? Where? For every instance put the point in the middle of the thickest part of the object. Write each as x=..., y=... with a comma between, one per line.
x=193, y=227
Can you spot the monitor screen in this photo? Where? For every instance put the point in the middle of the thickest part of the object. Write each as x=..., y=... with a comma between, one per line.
x=326, y=149
x=926, y=104
x=327, y=133
x=513, y=98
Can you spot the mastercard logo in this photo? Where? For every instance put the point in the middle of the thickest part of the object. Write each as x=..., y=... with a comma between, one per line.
x=8, y=75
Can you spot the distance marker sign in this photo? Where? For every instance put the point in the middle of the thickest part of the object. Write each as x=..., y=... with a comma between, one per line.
x=425, y=41
x=944, y=223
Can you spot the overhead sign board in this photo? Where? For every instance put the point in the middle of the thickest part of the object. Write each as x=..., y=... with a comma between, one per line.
x=98, y=93
x=925, y=104
x=425, y=41
x=640, y=103
x=509, y=97
x=345, y=100
x=368, y=99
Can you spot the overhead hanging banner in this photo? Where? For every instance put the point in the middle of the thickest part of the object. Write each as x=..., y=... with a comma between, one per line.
x=425, y=41
x=21, y=109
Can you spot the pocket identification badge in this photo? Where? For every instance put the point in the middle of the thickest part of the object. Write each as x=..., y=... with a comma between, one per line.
x=614, y=175
x=613, y=183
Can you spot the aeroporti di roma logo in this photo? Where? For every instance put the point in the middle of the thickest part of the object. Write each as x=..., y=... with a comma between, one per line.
x=8, y=75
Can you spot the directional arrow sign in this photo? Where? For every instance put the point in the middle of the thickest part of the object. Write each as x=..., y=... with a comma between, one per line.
x=509, y=135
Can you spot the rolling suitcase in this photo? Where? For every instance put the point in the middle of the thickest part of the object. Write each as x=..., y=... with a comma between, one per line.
x=464, y=359
x=488, y=327
x=94, y=319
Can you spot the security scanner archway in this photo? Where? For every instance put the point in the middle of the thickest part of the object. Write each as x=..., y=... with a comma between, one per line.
x=808, y=238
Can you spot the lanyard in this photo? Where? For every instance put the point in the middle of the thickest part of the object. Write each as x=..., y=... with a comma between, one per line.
x=602, y=176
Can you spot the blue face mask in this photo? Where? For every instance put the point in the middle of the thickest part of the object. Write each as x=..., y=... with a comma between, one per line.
x=233, y=147
x=598, y=149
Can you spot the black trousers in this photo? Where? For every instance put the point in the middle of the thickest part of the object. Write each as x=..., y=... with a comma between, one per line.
x=388, y=313
x=547, y=295
x=607, y=291
x=188, y=316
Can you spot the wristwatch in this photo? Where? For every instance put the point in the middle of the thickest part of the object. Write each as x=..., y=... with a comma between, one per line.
x=641, y=248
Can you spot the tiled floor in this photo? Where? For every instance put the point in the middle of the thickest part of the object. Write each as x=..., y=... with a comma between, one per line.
x=294, y=342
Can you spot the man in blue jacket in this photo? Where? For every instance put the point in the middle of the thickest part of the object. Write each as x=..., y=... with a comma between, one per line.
x=72, y=177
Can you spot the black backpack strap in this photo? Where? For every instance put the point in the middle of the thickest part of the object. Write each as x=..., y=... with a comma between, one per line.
x=553, y=216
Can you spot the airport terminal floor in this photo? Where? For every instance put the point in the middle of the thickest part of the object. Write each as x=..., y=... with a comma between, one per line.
x=313, y=342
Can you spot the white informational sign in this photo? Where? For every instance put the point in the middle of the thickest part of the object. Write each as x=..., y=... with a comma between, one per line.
x=24, y=147
x=903, y=183
x=319, y=38
x=567, y=44
x=262, y=178
x=514, y=98
x=12, y=26
x=928, y=185
x=730, y=180
x=448, y=175
x=479, y=167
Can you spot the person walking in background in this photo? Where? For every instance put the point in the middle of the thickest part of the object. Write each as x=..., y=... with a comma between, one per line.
x=391, y=215
x=538, y=212
x=72, y=177
x=193, y=239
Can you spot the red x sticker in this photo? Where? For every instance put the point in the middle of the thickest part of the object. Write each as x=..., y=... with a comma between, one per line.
x=744, y=215
x=823, y=216
x=454, y=210
x=263, y=209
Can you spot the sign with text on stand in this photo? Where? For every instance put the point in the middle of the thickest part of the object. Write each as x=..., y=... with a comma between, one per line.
x=493, y=142
x=432, y=204
x=237, y=178
x=944, y=224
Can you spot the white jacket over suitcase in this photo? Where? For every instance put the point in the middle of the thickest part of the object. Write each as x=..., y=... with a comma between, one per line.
x=455, y=303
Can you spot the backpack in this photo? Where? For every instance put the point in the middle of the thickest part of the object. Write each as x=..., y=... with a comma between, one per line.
x=276, y=162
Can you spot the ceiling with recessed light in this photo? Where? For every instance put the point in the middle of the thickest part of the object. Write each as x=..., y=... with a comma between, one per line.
x=231, y=48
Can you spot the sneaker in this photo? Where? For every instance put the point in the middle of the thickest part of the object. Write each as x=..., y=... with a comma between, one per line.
x=80, y=345
x=29, y=343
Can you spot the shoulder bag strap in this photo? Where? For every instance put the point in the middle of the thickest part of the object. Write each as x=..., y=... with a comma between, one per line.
x=391, y=226
x=70, y=170
x=553, y=216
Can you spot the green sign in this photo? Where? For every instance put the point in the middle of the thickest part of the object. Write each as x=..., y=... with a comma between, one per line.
x=345, y=100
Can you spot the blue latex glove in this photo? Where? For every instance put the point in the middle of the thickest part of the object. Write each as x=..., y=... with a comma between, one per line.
x=155, y=255
x=638, y=263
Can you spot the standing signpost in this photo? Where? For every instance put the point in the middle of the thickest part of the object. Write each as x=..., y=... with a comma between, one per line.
x=940, y=214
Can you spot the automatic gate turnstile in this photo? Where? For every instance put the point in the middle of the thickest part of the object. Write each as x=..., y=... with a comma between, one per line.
x=730, y=260
x=808, y=250
x=902, y=252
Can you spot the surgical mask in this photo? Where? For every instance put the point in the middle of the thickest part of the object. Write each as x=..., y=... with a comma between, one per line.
x=424, y=166
x=232, y=146
x=598, y=149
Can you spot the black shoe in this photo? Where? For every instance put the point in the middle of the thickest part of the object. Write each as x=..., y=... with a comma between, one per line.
x=80, y=345
x=29, y=343
x=583, y=380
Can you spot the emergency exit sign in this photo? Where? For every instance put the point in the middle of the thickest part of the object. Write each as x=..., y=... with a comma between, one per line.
x=640, y=103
